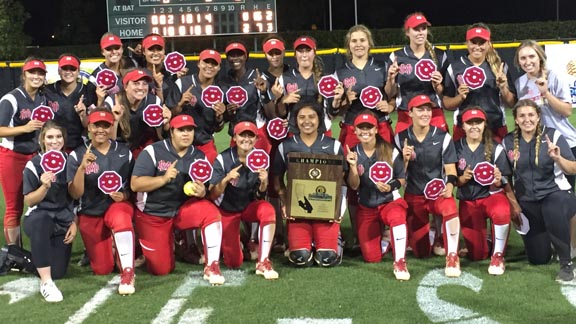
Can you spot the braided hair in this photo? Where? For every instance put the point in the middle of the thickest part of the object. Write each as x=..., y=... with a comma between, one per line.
x=517, y=130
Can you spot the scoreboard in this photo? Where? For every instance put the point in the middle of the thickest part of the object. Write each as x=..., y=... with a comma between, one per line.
x=185, y=18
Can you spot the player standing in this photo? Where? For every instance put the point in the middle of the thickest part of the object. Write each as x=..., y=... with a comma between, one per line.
x=19, y=141
x=66, y=98
x=479, y=79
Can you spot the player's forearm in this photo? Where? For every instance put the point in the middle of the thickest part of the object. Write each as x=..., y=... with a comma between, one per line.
x=561, y=107
x=147, y=183
x=35, y=197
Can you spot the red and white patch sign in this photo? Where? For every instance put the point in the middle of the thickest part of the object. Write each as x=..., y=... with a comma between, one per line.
x=152, y=115
x=200, y=170
x=484, y=173
x=174, y=62
x=424, y=69
x=434, y=188
x=326, y=86
x=53, y=161
x=42, y=113
x=276, y=129
x=257, y=159
x=106, y=78
x=474, y=77
x=109, y=182
x=237, y=95
x=380, y=172
x=370, y=96
x=211, y=95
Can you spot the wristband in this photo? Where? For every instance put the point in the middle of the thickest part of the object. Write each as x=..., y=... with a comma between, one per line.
x=452, y=179
x=394, y=184
x=264, y=98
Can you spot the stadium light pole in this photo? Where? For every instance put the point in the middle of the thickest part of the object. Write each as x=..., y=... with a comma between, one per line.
x=557, y=10
x=356, y=13
x=330, y=13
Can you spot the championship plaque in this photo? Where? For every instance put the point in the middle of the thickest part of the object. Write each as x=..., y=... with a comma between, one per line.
x=314, y=186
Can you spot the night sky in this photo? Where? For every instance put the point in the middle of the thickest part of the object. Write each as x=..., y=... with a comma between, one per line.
x=46, y=14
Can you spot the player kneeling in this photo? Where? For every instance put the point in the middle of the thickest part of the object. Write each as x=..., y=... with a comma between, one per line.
x=159, y=175
x=238, y=187
x=304, y=233
x=377, y=172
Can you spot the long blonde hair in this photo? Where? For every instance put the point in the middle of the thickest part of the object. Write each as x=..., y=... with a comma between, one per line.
x=428, y=45
x=539, y=51
x=492, y=56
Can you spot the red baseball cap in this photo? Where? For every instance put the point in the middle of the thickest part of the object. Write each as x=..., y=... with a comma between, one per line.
x=110, y=40
x=473, y=114
x=419, y=100
x=135, y=75
x=478, y=32
x=366, y=119
x=236, y=46
x=182, y=121
x=34, y=64
x=415, y=20
x=273, y=43
x=68, y=60
x=152, y=40
x=306, y=41
x=101, y=116
x=210, y=54
x=245, y=126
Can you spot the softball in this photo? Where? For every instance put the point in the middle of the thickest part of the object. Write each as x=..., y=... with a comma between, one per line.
x=189, y=188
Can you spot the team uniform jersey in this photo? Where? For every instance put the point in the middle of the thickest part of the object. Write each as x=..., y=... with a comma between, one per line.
x=487, y=96
x=57, y=202
x=472, y=190
x=271, y=79
x=204, y=117
x=94, y=202
x=373, y=74
x=559, y=88
x=436, y=150
x=15, y=110
x=291, y=81
x=323, y=145
x=409, y=85
x=533, y=182
x=368, y=193
x=240, y=192
x=66, y=115
x=168, y=82
x=90, y=97
x=154, y=160
x=251, y=110
x=141, y=134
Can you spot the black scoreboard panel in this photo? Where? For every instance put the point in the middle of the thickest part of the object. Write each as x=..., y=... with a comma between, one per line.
x=185, y=18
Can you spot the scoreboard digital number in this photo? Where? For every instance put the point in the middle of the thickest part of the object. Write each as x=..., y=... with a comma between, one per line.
x=185, y=18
